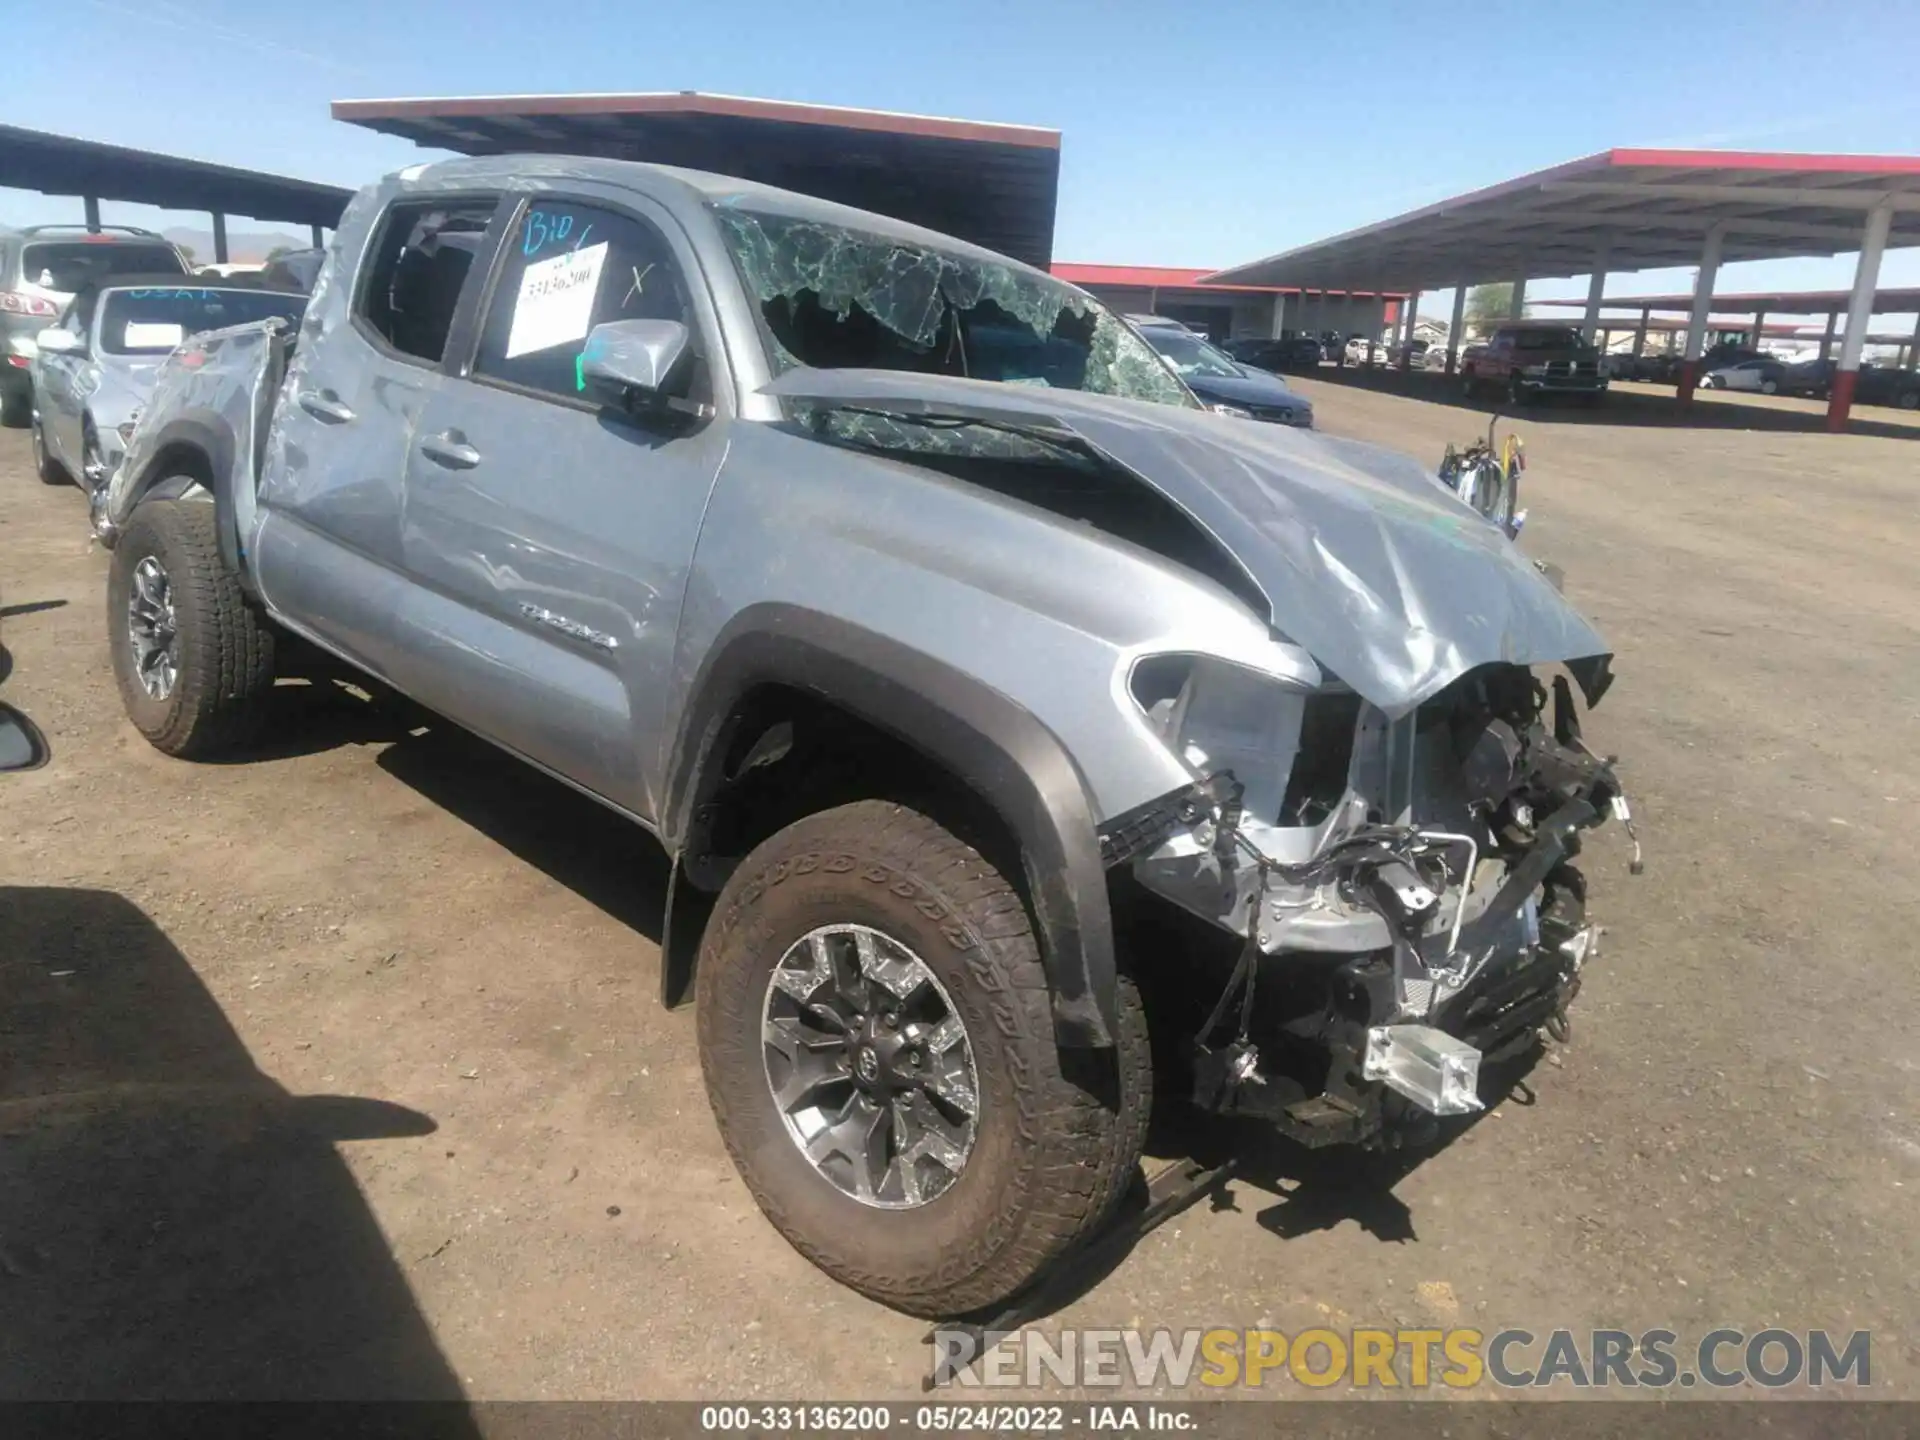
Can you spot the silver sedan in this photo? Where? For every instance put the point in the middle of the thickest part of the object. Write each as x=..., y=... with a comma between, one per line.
x=96, y=365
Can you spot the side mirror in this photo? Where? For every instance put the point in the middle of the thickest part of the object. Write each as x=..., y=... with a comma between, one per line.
x=625, y=359
x=22, y=747
x=55, y=341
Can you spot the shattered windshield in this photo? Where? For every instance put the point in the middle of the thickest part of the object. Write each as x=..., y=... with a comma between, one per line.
x=833, y=297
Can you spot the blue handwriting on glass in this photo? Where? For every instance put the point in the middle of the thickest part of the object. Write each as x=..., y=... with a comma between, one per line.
x=544, y=229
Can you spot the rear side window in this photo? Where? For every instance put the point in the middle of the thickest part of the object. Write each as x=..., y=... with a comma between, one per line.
x=410, y=286
x=565, y=269
x=69, y=265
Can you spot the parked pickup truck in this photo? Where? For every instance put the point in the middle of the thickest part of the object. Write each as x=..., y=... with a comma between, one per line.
x=1525, y=361
x=947, y=644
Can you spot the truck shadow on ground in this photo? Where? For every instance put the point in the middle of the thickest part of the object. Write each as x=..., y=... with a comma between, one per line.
x=1311, y=1189
x=173, y=1223
x=1626, y=403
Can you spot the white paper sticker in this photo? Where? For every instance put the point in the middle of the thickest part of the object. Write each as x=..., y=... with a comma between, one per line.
x=555, y=304
x=151, y=335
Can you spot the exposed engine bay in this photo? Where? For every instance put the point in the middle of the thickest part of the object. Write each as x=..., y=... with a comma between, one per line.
x=1404, y=888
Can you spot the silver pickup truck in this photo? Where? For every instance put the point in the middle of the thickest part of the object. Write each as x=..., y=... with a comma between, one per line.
x=948, y=645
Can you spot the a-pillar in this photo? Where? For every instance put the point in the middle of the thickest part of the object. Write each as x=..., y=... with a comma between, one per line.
x=1826, y=340
x=1457, y=326
x=219, y=238
x=1866, y=278
x=1702, y=309
x=1640, y=335
x=91, y=203
x=1517, y=307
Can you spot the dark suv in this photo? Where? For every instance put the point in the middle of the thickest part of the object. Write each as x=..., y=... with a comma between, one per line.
x=1523, y=361
x=41, y=268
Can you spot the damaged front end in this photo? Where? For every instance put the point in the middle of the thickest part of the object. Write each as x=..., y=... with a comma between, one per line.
x=1394, y=847
x=1404, y=887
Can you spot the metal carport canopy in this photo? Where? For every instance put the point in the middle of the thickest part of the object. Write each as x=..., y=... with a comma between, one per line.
x=1886, y=301
x=993, y=184
x=62, y=165
x=1617, y=210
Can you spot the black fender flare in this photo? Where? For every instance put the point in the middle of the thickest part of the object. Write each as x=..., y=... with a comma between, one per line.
x=988, y=740
x=215, y=441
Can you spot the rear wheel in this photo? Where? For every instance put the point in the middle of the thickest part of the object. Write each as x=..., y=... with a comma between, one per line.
x=1908, y=400
x=50, y=470
x=1769, y=387
x=876, y=1035
x=191, y=656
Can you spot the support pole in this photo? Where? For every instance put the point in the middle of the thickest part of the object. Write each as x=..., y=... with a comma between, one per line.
x=1456, y=328
x=1277, y=321
x=1702, y=309
x=92, y=204
x=1517, y=308
x=219, y=238
x=1640, y=335
x=1826, y=341
x=319, y=240
x=1913, y=346
x=1866, y=279
x=1596, y=289
x=1406, y=330
x=1759, y=327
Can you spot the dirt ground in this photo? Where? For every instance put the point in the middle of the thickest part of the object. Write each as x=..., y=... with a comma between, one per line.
x=340, y=1071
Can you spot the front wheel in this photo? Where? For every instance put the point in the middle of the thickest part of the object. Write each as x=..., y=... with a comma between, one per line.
x=191, y=656
x=876, y=1036
x=1769, y=387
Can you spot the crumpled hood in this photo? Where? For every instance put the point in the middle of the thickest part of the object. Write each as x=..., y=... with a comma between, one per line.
x=1365, y=558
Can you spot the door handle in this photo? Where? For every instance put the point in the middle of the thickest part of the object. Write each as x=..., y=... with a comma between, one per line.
x=325, y=405
x=450, y=448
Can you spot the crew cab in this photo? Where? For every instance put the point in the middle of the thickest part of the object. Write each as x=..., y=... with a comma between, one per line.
x=944, y=640
x=1525, y=361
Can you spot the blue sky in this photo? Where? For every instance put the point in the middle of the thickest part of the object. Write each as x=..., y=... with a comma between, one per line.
x=1201, y=135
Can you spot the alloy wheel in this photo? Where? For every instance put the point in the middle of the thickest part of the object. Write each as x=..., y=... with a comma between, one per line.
x=870, y=1066
x=151, y=629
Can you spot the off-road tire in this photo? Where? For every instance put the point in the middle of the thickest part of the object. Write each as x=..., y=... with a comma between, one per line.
x=225, y=646
x=50, y=470
x=1059, y=1131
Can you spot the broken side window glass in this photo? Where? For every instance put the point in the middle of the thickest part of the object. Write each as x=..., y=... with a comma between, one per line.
x=833, y=297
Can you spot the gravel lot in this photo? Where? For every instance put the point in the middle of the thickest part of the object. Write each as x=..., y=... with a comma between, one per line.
x=340, y=1072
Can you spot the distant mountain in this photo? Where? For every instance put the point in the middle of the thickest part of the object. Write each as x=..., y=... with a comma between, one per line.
x=243, y=247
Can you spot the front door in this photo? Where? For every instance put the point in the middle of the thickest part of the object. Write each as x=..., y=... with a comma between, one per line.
x=551, y=539
x=327, y=552
x=57, y=394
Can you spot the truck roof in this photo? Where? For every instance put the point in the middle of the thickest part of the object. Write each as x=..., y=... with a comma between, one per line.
x=698, y=186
